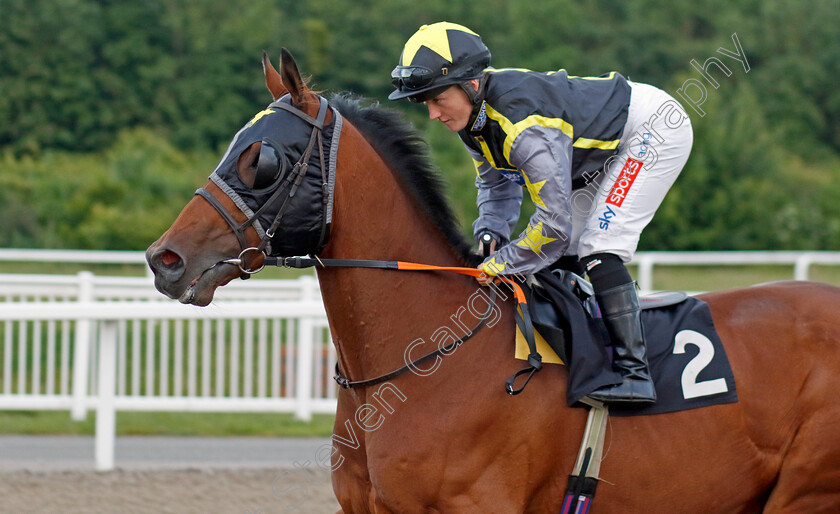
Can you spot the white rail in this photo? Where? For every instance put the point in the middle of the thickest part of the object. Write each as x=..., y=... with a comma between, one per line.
x=114, y=343
x=236, y=356
x=801, y=261
x=85, y=286
x=75, y=256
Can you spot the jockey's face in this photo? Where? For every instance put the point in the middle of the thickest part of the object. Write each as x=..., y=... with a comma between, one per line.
x=452, y=108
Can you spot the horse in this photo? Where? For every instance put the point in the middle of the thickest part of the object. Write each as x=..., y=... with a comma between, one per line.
x=446, y=437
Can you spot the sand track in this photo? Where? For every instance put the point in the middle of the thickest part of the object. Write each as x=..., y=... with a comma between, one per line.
x=241, y=491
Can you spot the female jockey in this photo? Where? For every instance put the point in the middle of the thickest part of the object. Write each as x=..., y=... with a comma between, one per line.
x=596, y=154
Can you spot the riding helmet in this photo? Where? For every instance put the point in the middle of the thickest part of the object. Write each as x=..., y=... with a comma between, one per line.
x=436, y=57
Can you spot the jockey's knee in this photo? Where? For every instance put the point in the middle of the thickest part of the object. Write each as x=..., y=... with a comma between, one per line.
x=568, y=263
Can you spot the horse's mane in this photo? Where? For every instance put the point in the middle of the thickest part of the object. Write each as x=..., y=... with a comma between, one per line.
x=407, y=154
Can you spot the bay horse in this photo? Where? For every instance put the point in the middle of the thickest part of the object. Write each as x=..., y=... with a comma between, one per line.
x=451, y=439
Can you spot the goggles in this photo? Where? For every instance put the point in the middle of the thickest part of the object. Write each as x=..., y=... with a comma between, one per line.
x=412, y=78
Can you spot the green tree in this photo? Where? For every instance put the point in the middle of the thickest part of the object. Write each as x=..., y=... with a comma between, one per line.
x=82, y=79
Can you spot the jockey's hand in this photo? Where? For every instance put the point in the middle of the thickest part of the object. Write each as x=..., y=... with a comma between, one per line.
x=486, y=245
x=484, y=279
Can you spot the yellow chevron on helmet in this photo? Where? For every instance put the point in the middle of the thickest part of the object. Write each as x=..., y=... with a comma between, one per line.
x=436, y=56
x=435, y=37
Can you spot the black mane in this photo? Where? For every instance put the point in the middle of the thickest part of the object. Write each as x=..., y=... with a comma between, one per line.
x=408, y=155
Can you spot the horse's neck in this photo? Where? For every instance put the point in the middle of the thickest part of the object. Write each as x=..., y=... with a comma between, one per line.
x=374, y=217
x=376, y=314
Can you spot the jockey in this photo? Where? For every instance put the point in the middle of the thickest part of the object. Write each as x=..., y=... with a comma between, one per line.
x=596, y=154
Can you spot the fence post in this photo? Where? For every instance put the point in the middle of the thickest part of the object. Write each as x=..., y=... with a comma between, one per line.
x=800, y=268
x=646, y=273
x=303, y=387
x=105, y=415
x=81, y=350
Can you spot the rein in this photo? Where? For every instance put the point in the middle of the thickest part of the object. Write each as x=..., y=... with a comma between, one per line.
x=523, y=318
x=289, y=187
x=348, y=384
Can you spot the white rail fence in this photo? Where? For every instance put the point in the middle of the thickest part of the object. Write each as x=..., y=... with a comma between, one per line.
x=801, y=261
x=85, y=286
x=233, y=356
x=84, y=342
x=31, y=255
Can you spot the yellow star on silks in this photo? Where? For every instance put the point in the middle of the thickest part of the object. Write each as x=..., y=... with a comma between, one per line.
x=259, y=115
x=432, y=37
x=534, y=238
x=477, y=171
x=534, y=189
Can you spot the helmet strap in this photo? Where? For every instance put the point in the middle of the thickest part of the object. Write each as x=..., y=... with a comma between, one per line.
x=475, y=97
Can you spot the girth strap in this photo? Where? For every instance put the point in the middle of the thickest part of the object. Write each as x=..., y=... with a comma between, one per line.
x=583, y=481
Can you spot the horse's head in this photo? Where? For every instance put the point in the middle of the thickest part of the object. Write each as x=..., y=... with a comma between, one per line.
x=269, y=195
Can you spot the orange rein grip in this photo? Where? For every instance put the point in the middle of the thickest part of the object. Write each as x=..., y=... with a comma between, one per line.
x=473, y=272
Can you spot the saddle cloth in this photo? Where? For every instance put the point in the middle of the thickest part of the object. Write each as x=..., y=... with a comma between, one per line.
x=687, y=359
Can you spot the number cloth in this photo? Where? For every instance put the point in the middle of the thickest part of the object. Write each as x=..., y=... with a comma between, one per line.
x=687, y=360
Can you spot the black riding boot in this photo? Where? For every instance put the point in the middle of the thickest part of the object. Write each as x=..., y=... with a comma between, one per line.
x=622, y=316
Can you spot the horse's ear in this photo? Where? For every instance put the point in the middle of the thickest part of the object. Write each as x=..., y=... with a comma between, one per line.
x=272, y=79
x=291, y=77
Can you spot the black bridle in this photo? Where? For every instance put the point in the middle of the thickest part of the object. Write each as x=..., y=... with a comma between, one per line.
x=289, y=187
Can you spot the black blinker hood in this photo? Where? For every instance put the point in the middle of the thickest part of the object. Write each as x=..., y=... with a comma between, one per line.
x=285, y=136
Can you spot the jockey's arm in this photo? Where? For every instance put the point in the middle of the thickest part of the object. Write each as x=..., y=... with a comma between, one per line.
x=498, y=199
x=544, y=157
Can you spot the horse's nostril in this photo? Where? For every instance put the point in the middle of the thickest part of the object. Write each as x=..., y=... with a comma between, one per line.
x=166, y=263
x=169, y=258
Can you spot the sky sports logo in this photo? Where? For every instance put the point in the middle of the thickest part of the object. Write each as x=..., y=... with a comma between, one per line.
x=625, y=180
